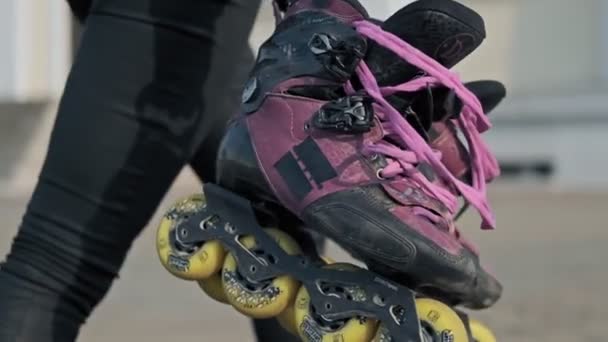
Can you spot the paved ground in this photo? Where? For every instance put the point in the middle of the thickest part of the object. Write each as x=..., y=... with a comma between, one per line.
x=549, y=250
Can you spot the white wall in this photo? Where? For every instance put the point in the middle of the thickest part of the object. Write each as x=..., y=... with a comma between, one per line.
x=550, y=53
x=553, y=57
x=7, y=50
x=382, y=9
x=540, y=46
x=35, y=49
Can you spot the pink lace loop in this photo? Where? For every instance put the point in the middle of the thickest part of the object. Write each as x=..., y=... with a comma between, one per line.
x=472, y=121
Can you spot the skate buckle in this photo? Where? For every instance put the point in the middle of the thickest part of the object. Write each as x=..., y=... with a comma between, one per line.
x=339, y=57
x=351, y=114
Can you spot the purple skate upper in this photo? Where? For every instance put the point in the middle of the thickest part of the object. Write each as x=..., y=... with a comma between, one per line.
x=344, y=10
x=344, y=143
x=286, y=156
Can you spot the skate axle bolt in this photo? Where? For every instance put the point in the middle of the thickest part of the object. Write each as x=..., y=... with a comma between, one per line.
x=209, y=222
x=379, y=300
x=398, y=314
x=228, y=227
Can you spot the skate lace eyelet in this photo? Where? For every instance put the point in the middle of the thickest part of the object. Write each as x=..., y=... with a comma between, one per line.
x=373, y=157
x=379, y=174
x=379, y=300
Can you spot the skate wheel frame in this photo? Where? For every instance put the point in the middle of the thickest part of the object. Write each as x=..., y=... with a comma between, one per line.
x=261, y=257
x=196, y=262
x=274, y=296
x=311, y=328
x=287, y=318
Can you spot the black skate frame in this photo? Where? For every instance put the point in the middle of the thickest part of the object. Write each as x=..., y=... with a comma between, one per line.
x=227, y=217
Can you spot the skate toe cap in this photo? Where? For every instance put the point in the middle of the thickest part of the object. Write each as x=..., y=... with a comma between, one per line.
x=486, y=291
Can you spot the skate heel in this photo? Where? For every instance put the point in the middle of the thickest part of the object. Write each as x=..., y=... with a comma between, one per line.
x=445, y=30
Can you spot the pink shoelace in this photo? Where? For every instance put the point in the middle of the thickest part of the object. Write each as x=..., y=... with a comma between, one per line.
x=414, y=149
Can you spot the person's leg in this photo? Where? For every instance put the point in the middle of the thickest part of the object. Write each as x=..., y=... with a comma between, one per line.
x=203, y=161
x=128, y=122
x=203, y=164
x=80, y=8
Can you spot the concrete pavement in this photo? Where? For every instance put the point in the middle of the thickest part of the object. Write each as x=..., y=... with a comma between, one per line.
x=549, y=251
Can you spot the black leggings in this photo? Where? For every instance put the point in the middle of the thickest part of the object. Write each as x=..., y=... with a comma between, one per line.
x=131, y=117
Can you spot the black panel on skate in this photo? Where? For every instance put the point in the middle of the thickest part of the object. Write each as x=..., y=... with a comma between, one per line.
x=293, y=175
x=315, y=161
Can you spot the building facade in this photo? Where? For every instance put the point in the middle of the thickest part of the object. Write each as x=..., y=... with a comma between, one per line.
x=549, y=53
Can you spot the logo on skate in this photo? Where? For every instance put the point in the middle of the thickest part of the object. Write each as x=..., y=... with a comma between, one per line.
x=178, y=264
x=385, y=283
x=309, y=329
x=303, y=303
x=455, y=47
x=303, y=167
x=433, y=316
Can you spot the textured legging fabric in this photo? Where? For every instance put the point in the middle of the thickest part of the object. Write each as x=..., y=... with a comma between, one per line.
x=131, y=117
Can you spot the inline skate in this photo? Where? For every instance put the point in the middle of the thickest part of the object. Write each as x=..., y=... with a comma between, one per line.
x=349, y=131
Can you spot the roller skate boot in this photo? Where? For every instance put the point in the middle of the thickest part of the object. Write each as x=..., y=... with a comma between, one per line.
x=344, y=10
x=329, y=142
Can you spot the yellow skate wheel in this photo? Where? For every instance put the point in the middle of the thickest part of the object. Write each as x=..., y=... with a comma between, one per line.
x=480, y=332
x=187, y=262
x=287, y=319
x=440, y=321
x=213, y=288
x=265, y=300
x=313, y=328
